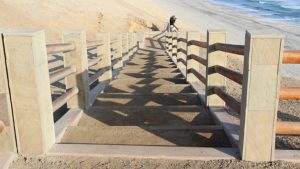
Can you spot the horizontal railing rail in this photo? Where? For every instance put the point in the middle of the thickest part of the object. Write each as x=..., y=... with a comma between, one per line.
x=198, y=59
x=288, y=128
x=61, y=74
x=198, y=43
x=96, y=76
x=93, y=44
x=63, y=99
x=230, y=74
x=291, y=57
x=229, y=100
x=198, y=75
x=229, y=48
x=291, y=93
x=59, y=48
x=182, y=40
x=94, y=61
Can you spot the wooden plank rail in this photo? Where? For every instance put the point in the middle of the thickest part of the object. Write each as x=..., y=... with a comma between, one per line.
x=2, y=126
x=59, y=48
x=291, y=57
x=229, y=100
x=96, y=76
x=181, y=40
x=292, y=93
x=198, y=59
x=230, y=48
x=198, y=75
x=60, y=74
x=94, y=61
x=230, y=74
x=288, y=128
x=93, y=44
x=59, y=102
x=198, y=43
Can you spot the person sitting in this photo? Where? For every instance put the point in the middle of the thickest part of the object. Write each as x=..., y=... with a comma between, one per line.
x=173, y=27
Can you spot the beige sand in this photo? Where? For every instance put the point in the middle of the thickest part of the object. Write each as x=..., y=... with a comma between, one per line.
x=92, y=15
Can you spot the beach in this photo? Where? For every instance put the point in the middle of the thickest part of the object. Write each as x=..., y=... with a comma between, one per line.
x=202, y=15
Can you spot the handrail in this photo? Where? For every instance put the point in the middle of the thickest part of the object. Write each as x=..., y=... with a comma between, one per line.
x=96, y=76
x=2, y=126
x=93, y=44
x=113, y=41
x=292, y=93
x=230, y=48
x=198, y=59
x=291, y=57
x=94, y=61
x=290, y=128
x=59, y=102
x=198, y=75
x=229, y=100
x=230, y=74
x=182, y=40
x=62, y=73
x=59, y=48
x=198, y=43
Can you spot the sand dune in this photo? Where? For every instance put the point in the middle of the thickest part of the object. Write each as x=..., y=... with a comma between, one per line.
x=92, y=15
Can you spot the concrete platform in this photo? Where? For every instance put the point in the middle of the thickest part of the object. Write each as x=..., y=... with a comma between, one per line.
x=152, y=88
x=148, y=81
x=157, y=99
x=150, y=75
x=140, y=115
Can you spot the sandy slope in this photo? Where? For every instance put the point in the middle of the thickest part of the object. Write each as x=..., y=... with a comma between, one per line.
x=92, y=15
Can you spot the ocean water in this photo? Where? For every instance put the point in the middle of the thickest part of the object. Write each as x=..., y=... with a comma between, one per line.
x=280, y=10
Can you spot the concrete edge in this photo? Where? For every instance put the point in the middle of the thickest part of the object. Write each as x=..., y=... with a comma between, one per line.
x=6, y=159
x=145, y=152
x=71, y=118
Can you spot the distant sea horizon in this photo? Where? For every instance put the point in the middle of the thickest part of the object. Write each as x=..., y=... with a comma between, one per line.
x=278, y=10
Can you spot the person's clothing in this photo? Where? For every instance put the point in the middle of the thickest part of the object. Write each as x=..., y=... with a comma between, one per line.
x=173, y=28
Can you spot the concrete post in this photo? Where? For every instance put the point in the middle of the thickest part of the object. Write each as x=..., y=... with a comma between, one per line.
x=119, y=52
x=174, y=47
x=29, y=84
x=130, y=45
x=192, y=50
x=141, y=40
x=215, y=58
x=79, y=59
x=169, y=44
x=105, y=52
x=125, y=47
x=182, y=53
x=7, y=137
x=261, y=84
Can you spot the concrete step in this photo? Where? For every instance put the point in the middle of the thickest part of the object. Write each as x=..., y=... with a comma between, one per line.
x=140, y=115
x=148, y=81
x=150, y=75
x=149, y=66
x=146, y=99
x=150, y=70
x=134, y=135
x=152, y=88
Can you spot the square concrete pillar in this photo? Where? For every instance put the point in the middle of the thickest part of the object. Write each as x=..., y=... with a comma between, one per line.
x=182, y=52
x=117, y=55
x=215, y=58
x=105, y=52
x=192, y=50
x=29, y=84
x=169, y=51
x=130, y=45
x=261, y=84
x=174, y=47
x=125, y=47
x=79, y=59
x=141, y=40
x=7, y=135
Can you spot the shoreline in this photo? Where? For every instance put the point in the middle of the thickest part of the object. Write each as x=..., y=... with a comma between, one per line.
x=202, y=15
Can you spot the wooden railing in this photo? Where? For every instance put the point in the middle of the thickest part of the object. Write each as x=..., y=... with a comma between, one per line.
x=254, y=97
x=28, y=72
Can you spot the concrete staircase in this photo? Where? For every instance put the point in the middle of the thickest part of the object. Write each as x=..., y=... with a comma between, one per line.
x=149, y=103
